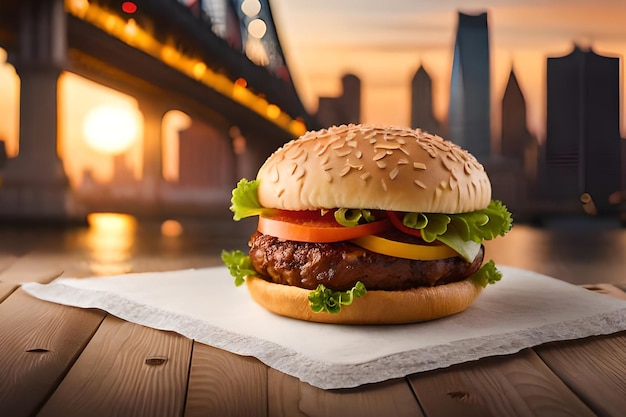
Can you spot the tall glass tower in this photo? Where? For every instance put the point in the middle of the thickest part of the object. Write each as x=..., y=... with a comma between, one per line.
x=469, y=113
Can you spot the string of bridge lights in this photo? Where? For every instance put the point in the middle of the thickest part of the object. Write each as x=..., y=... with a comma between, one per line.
x=129, y=32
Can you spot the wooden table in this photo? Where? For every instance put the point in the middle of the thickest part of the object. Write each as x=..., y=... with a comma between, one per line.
x=64, y=361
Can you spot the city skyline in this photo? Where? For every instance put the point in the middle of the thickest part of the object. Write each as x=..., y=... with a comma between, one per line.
x=385, y=43
x=496, y=120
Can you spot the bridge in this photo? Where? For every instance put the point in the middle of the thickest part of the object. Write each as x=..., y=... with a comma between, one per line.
x=192, y=56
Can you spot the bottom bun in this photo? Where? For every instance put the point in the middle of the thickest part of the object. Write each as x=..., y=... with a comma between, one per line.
x=376, y=307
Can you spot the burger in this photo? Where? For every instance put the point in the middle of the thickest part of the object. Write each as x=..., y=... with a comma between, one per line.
x=364, y=224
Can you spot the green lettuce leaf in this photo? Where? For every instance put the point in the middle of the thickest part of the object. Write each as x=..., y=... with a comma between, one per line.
x=487, y=274
x=463, y=232
x=245, y=200
x=352, y=217
x=239, y=265
x=325, y=299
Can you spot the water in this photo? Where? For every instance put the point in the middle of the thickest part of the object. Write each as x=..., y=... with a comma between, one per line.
x=576, y=250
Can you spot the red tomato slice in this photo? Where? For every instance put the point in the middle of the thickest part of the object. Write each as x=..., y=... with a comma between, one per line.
x=308, y=226
x=396, y=220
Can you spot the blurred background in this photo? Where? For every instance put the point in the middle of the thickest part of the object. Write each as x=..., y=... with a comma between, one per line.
x=137, y=118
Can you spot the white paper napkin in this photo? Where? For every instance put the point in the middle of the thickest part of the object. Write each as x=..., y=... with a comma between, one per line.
x=523, y=310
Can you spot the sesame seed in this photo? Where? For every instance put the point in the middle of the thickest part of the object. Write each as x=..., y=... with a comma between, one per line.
x=354, y=165
x=379, y=155
x=322, y=150
x=387, y=145
x=343, y=152
x=274, y=176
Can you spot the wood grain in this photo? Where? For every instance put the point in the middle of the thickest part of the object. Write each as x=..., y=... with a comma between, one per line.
x=125, y=370
x=289, y=397
x=35, y=267
x=519, y=385
x=594, y=368
x=224, y=384
x=6, y=289
x=39, y=342
x=6, y=260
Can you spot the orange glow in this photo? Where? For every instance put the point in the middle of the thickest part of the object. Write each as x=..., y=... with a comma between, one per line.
x=173, y=122
x=9, y=105
x=199, y=69
x=77, y=97
x=131, y=28
x=110, y=240
x=273, y=111
x=111, y=130
x=171, y=228
x=79, y=6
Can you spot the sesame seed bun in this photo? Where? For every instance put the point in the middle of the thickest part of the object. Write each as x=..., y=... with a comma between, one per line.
x=375, y=307
x=373, y=167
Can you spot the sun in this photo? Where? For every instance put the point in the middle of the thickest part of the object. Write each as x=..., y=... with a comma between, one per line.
x=111, y=129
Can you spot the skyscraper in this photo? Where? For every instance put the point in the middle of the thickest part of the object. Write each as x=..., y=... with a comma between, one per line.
x=422, y=103
x=469, y=114
x=343, y=109
x=515, y=136
x=583, y=143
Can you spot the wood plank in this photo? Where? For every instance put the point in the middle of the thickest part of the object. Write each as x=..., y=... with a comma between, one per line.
x=6, y=260
x=39, y=342
x=125, y=370
x=608, y=289
x=6, y=289
x=514, y=385
x=224, y=384
x=35, y=267
x=289, y=397
x=594, y=368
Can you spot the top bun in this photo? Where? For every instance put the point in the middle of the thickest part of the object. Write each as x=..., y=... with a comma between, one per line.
x=373, y=167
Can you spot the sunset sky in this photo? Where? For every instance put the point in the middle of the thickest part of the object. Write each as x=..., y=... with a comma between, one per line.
x=385, y=42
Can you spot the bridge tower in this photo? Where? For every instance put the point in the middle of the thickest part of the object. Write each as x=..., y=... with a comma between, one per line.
x=34, y=184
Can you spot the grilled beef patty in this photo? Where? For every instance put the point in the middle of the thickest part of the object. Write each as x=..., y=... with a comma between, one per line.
x=340, y=265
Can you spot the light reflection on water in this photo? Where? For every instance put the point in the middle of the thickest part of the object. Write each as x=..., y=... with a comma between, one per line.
x=580, y=251
x=109, y=241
